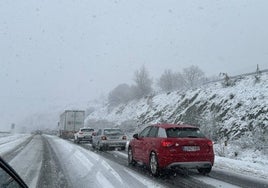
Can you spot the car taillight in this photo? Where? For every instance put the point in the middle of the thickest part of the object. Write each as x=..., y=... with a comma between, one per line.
x=103, y=138
x=210, y=143
x=166, y=143
x=80, y=132
x=124, y=137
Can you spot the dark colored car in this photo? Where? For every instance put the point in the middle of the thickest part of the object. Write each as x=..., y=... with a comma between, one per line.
x=171, y=146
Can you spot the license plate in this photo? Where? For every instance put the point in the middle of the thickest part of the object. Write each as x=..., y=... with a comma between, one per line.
x=114, y=137
x=191, y=148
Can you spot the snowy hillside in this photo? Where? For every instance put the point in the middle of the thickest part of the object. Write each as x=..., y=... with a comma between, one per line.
x=228, y=113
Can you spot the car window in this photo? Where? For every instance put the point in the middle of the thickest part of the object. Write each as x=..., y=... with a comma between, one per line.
x=7, y=181
x=87, y=130
x=162, y=133
x=145, y=132
x=99, y=132
x=153, y=132
x=113, y=132
x=184, y=133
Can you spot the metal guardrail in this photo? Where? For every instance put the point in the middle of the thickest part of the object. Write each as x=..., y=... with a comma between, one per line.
x=248, y=74
x=5, y=132
x=237, y=76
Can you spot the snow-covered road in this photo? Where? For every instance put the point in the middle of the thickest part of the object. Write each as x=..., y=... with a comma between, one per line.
x=49, y=161
x=80, y=167
x=85, y=168
x=29, y=161
x=229, y=173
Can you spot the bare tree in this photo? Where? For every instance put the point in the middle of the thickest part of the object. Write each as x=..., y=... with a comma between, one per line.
x=193, y=76
x=226, y=80
x=258, y=75
x=143, y=85
x=170, y=81
x=120, y=94
x=90, y=110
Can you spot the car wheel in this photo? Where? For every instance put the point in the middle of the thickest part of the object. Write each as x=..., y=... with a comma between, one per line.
x=204, y=170
x=131, y=161
x=100, y=147
x=93, y=146
x=123, y=148
x=153, y=165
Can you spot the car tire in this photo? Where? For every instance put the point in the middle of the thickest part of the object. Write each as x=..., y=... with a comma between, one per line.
x=93, y=146
x=153, y=165
x=131, y=161
x=100, y=148
x=204, y=170
x=123, y=148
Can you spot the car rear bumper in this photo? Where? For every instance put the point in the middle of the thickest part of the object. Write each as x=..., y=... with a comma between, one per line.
x=85, y=138
x=186, y=160
x=189, y=165
x=113, y=143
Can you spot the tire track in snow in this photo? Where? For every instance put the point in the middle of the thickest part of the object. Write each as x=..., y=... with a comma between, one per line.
x=28, y=161
x=51, y=174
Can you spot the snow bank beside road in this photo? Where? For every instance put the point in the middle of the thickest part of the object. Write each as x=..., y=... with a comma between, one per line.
x=9, y=143
x=248, y=168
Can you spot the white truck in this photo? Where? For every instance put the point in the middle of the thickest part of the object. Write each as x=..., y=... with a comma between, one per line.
x=70, y=122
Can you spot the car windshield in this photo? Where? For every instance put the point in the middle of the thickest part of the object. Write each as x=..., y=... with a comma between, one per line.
x=184, y=133
x=80, y=78
x=87, y=130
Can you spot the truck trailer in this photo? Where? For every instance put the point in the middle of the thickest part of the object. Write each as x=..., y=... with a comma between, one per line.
x=70, y=122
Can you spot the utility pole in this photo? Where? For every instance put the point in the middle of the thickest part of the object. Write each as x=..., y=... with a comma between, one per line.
x=12, y=127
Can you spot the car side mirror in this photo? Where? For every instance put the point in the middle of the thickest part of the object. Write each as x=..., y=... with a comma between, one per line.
x=136, y=136
x=8, y=176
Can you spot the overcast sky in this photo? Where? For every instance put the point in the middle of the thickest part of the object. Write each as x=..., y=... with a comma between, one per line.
x=63, y=51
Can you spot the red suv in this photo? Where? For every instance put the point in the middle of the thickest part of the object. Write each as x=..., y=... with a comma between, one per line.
x=171, y=146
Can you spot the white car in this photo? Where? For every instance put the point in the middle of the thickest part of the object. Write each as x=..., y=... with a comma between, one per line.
x=84, y=134
x=109, y=138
